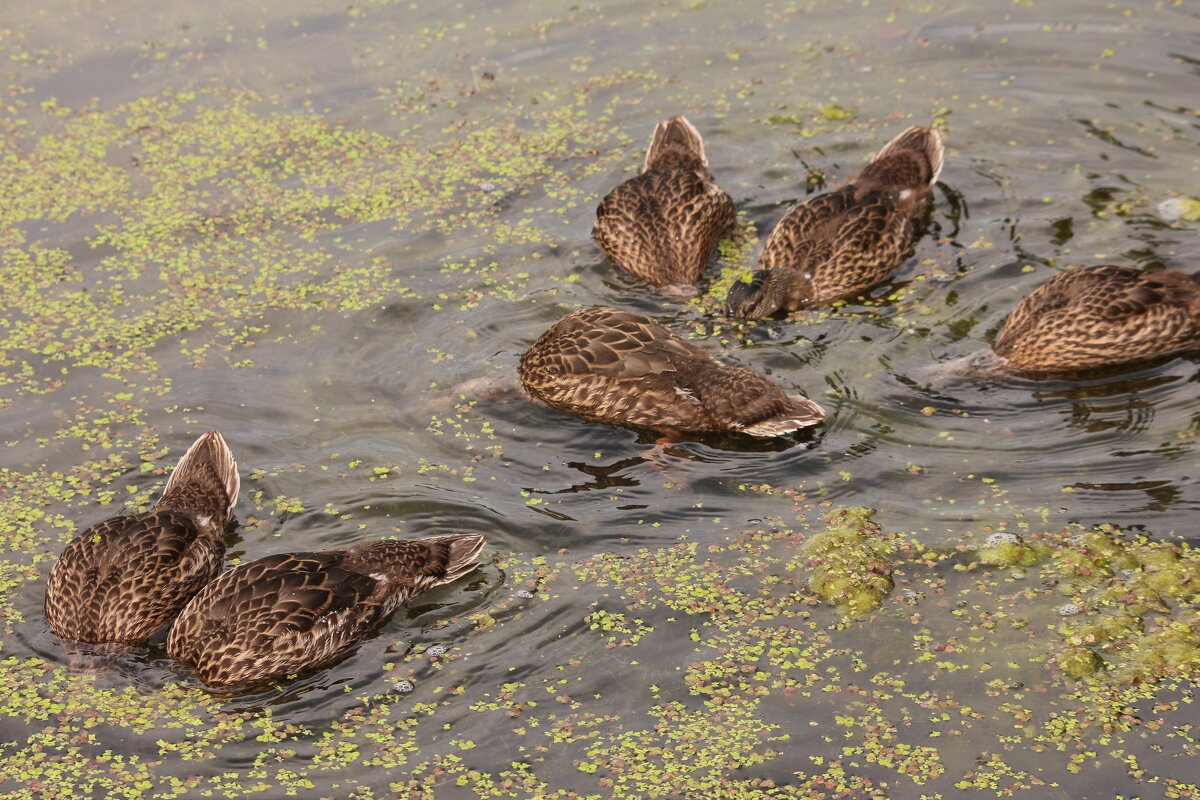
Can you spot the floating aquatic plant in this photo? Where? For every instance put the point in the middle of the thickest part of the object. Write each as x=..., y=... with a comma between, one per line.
x=848, y=562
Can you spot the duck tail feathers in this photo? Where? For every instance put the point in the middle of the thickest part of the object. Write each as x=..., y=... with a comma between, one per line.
x=925, y=141
x=462, y=549
x=675, y=135
x=208, y=464
x=803, y=413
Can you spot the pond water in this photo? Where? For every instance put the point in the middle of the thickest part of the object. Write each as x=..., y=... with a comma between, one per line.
x=320, y=228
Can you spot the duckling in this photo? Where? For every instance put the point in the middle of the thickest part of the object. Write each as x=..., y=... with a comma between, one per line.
x=662, y=225
x=624, y=368
x=122, y=579
x=1094, y=317
x=284, y=613
x=840, y=244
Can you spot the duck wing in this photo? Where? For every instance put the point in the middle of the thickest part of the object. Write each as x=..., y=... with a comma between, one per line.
x=612, y=343
x=624, y=368
x=276, y=616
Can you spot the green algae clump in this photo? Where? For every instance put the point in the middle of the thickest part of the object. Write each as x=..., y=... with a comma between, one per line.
x=848, y=562
x=1079, y=662
x=1008, y=550
x=1095, y=556
x=1142, y=594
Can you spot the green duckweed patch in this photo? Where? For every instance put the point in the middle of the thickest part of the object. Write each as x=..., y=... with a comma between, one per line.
x=961, y=653
x=848, y=563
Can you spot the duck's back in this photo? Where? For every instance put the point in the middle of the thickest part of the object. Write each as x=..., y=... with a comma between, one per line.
x=853, y=236
x=838, y=245
x=624, y=368
x=274, y=615
x=284, y=613
x=1096, y=316
x=662, y=225
x=124, y=578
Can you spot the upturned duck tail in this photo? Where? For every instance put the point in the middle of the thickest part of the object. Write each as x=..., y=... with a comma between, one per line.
x=418, y=564
x=205, y=480
x=460, y=553
x=802, y=414
x=675, y=136
x=914, y=158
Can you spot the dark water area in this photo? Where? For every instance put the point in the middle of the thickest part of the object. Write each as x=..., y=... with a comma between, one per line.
x=330, y=230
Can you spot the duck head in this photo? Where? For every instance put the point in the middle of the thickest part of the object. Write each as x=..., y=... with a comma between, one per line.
x=768, y=292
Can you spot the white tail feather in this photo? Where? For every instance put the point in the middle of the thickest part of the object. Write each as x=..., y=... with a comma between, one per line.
x=209, y=447
x=805, y=413
x=926, y=139
x=463, y=550
x=659, y=140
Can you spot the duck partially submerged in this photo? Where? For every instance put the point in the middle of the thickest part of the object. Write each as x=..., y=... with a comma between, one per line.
x=662, y=225
x=624, y=368
x=838, y=245
x=1094, y=317
x=121, y=580
x=276, y=616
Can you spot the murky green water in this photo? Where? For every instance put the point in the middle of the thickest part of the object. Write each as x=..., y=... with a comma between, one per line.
x=305, y=224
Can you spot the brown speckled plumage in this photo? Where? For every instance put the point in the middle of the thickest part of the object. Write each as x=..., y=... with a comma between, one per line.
x=838, y=245
x=1099, y=316
x=278, y=615
x=122, y=579
x=662, y=225
x=624, y=368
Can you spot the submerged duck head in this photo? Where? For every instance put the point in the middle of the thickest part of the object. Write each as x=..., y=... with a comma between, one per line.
x=768, y=292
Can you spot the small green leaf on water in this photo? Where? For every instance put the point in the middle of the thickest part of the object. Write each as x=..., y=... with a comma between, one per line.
x=833, y=112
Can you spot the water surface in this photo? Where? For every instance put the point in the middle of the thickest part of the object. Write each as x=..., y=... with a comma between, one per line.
x=308, y=225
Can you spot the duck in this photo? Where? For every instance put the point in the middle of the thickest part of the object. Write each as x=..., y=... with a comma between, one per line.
x=839, y=244
x=120, y=581
x=276, y=616
x=624, y=368
x=662, y=225
x=1092, y=317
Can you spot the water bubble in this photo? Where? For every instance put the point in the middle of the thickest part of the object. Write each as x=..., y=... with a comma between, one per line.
x=1177, y=208
x=524, y=593
x=404, y=687
x=1069, y=609
x=997, y=539
x=487, y=186
x=436, y=650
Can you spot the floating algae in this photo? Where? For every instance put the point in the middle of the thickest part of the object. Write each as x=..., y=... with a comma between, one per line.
x=1141, y=595
x=849, y=562
x=1008, y=550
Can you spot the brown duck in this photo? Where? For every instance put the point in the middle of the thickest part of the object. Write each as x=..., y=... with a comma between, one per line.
x=624, y=368
x=838, y=245
x=1094, y=317
x=122, y=579
x=662, y=225
x=281, y=614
